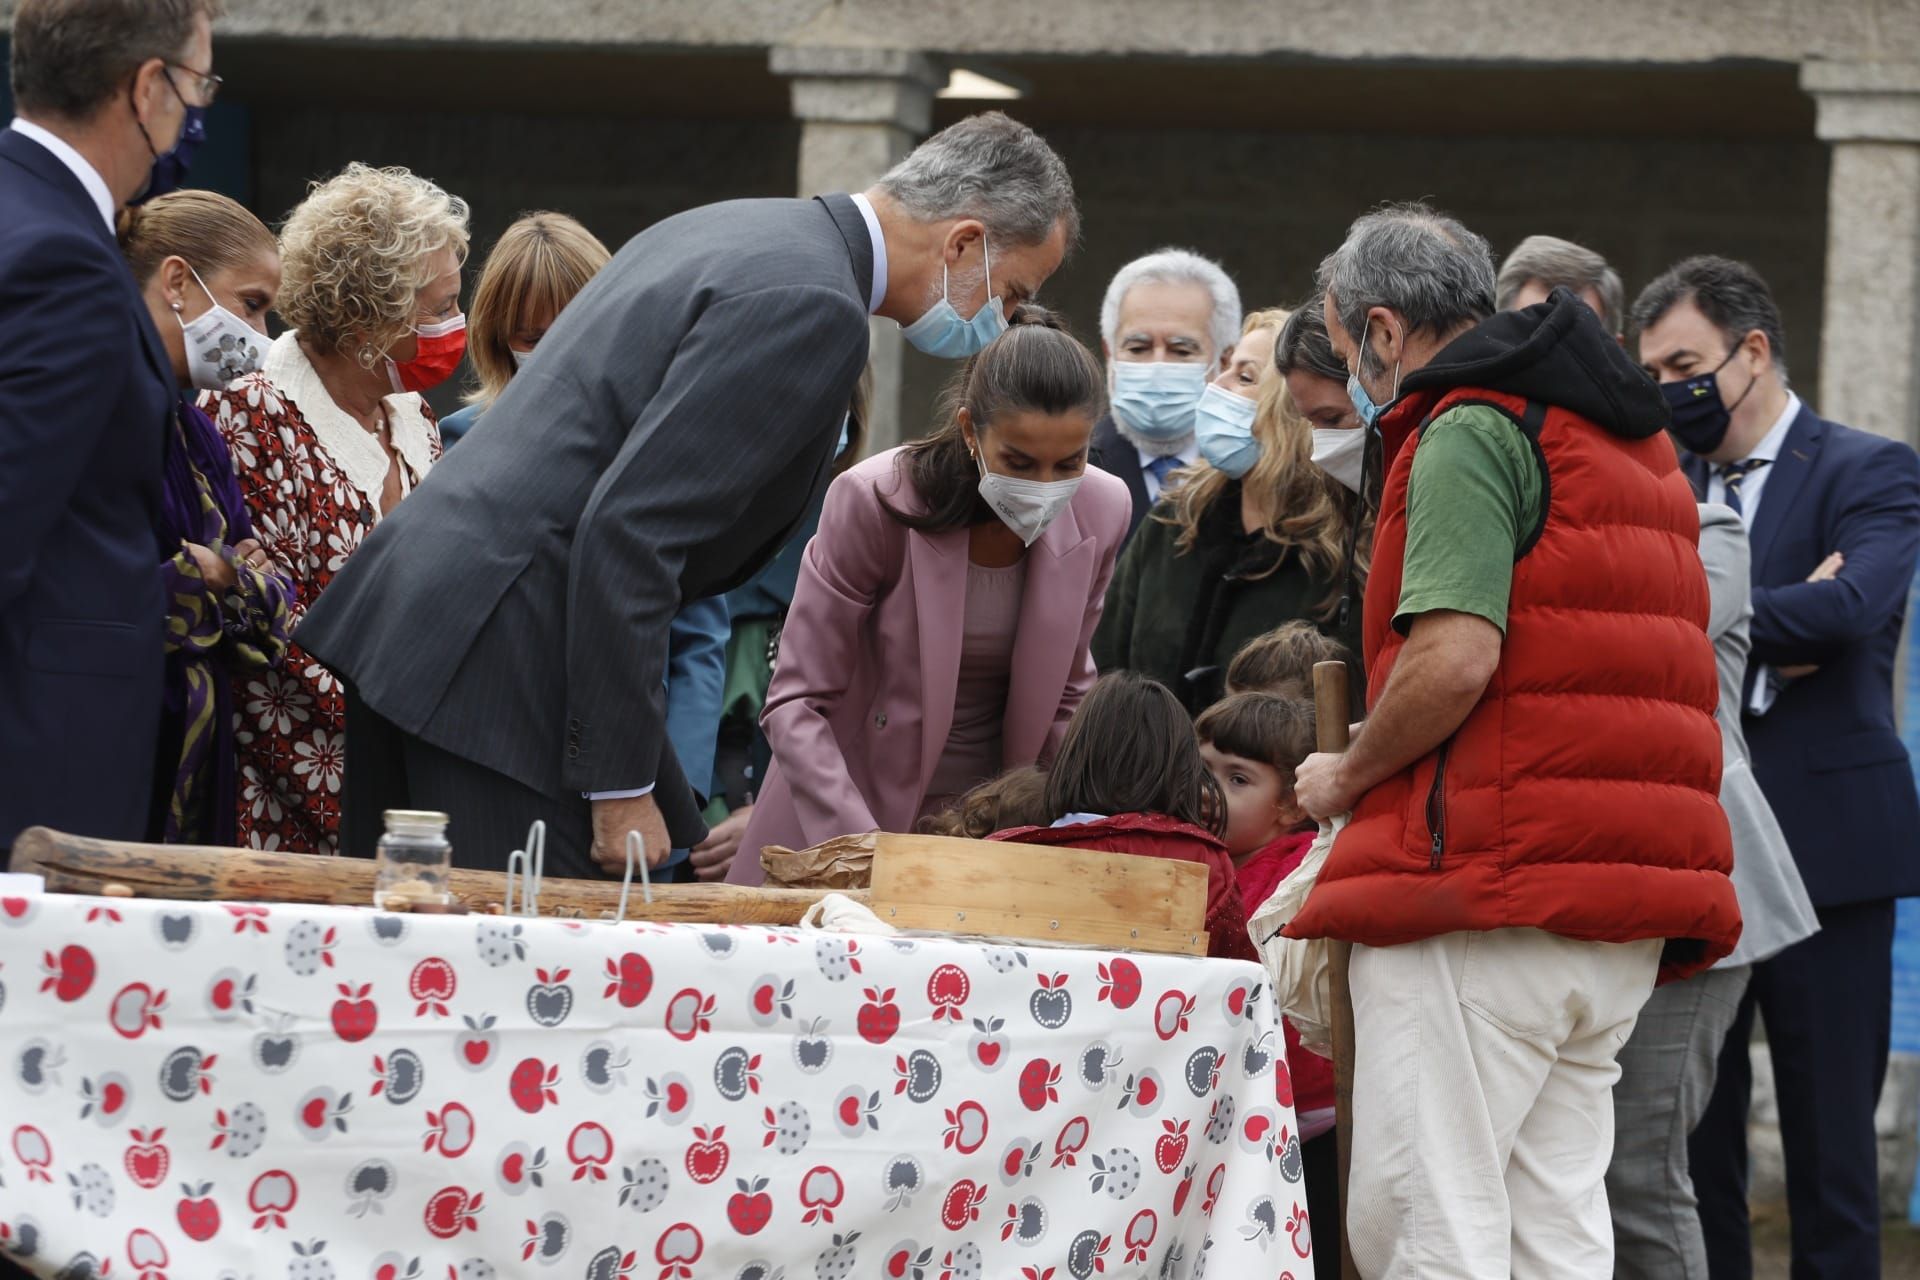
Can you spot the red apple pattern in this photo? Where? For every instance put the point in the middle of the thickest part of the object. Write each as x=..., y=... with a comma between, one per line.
x=837, y=1107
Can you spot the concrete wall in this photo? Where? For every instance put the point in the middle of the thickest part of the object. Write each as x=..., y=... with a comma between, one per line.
x=1269, y=206
x=1484, y=30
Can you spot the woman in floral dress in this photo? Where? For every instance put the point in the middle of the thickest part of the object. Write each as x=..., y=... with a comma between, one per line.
x=326, y=439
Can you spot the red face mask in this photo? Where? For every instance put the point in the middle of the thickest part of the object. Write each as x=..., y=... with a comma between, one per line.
x=438, y=353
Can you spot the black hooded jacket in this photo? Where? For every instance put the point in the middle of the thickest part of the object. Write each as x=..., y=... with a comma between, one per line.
x=1555, y=353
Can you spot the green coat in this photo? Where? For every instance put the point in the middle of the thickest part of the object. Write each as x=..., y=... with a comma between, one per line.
x=1173, y=615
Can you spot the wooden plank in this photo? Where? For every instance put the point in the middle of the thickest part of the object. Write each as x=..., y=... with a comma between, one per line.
x=79, y=864
x=1051, y=894
x=1332, y=734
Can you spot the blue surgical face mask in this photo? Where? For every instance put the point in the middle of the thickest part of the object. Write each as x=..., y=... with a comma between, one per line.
x=1158, y=400
x=942, y=333
x=1223, y=428
x=846, y=434
x=1363, y=404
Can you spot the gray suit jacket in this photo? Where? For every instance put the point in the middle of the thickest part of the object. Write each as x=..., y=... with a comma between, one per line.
x=675, y=425
x=1774, y=908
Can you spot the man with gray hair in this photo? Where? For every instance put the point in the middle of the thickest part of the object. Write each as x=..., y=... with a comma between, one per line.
x=1536, y=830
x=1168, y=325
x=105, y=90
x=1541, y=264
x=681, y=416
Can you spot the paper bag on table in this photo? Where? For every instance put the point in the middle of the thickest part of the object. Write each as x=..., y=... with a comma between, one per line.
x=844, y=862
x=1301, y=969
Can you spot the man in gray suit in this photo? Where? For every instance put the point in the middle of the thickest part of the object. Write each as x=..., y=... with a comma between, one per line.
x=502, y=636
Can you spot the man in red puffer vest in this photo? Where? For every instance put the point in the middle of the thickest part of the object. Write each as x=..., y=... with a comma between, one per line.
x=1536, y=830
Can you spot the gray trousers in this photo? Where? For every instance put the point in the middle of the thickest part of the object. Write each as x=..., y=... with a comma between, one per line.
x=1666, y=1079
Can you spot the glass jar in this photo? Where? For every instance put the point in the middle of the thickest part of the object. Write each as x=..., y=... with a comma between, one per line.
x=414, y=859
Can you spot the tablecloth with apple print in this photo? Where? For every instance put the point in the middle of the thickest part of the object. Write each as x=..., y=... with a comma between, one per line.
x=198, y=1090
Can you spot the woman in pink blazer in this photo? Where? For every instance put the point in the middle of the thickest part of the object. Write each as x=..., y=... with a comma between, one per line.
x=939, y=632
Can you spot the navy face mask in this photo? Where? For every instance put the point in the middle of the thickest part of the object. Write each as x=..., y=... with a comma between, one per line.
x=1700, y=416
x=169, y=172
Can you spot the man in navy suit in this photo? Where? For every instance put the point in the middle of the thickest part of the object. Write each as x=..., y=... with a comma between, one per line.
x=1834, y=519
x=102, y=88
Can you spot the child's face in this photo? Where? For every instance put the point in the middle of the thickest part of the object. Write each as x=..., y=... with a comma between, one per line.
x=1260, y=805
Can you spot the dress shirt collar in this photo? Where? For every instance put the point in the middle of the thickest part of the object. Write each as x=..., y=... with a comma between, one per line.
x=879, y=291
x=96, y=186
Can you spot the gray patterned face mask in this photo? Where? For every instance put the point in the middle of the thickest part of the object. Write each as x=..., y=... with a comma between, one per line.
x=221, y=347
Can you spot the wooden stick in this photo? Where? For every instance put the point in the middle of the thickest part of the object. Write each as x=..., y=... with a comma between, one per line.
x=79, y=864
x=1331, y=734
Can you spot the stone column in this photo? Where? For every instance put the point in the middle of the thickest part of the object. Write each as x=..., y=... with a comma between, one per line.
x=860, y=111
x=1869, y=113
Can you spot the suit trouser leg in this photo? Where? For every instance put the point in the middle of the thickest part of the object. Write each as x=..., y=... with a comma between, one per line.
x=1666, y=1079
x=1827, y=1004
x=491, y=813
x=375, y=777
x=1717, y=1152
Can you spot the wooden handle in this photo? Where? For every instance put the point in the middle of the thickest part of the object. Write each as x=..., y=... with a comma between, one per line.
x=1332, y=734
x=79, y=864
x=1330, y=706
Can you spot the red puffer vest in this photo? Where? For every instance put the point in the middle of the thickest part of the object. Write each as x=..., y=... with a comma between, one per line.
x=1155, y=835
x=1581, y=795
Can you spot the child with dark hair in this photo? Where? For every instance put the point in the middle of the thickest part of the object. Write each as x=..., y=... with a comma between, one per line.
x=1252, y=743
x=1017, y=798
x=1129, y=779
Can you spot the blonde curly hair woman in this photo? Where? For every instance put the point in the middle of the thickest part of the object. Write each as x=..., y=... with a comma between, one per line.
x=1252, y=538
x=326, y=439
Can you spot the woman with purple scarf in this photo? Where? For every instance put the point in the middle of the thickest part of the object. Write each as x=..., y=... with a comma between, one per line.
x=209, y=270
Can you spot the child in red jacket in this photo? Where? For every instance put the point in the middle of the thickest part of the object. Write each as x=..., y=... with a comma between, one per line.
x=1129, y=779
x=1252, y=743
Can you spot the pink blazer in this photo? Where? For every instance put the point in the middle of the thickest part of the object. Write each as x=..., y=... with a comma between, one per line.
x=862, y=697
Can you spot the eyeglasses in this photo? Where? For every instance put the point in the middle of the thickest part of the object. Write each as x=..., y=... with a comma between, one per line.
x=205, y=84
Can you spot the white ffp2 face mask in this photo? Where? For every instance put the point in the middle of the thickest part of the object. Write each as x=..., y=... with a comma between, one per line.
x=1025, y=506
x=221, y=347
x=1341, y=453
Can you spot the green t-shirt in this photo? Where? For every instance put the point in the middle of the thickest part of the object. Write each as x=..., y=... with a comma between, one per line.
x=1474, y=495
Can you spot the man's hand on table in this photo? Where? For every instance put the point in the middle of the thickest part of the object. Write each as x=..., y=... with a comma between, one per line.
x=612, y=819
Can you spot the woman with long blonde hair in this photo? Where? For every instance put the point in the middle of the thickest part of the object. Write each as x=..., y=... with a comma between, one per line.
x=1252, y=537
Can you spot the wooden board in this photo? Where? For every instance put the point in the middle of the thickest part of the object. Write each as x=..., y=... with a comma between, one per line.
x=78, y=864
x=1070, y=896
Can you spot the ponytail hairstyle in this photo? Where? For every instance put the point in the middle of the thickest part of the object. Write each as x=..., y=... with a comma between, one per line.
x=211, y=232
x=1130, y=748
x=1035, y=366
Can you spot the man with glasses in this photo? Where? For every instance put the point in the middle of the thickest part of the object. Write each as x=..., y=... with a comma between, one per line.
x=104, y=91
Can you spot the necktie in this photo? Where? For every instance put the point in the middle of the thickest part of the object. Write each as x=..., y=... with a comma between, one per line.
x=1163, y=467
x=1734, y=474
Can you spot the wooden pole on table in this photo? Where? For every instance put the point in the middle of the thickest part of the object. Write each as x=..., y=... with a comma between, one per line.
x=81, y=864
x=1331, y=707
